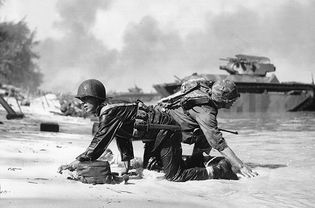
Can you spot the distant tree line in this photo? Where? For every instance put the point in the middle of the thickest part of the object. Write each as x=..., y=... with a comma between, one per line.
x=17, y=57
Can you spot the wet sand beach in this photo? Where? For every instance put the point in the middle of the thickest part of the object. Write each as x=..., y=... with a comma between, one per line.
x=280, y=147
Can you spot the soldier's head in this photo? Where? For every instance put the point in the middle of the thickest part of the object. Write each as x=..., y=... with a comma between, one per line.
x=224, y=93
x=92, y=93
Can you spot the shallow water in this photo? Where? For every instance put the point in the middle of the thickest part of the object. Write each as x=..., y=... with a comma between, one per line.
x=280, y=147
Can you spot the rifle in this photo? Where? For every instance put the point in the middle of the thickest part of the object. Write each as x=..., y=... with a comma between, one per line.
x=147, y=126
x=229, y=131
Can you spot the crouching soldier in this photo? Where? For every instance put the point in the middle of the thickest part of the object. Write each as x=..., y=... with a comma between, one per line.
x=163, y=136
x=93, y=95
x=196, y=108
x=121, y=121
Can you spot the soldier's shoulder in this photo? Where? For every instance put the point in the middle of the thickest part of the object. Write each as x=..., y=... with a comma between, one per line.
x=209, y=107
x=109, y=107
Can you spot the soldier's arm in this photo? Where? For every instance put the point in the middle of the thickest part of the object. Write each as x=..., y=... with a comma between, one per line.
x=102, y=138
x=206, y=118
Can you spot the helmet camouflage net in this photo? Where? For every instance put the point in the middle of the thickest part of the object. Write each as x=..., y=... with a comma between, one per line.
x=91, y=88
x=224, y=91
x=193, y=82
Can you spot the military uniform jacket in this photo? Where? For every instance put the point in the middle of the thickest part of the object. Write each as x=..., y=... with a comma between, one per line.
x=116, y=120
x=203, y=117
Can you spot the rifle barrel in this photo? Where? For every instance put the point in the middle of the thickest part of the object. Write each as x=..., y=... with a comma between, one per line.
x=229, y=131
x=169, y=127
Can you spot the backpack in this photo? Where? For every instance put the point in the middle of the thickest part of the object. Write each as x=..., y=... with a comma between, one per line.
x=96, y=172
x=193, y=92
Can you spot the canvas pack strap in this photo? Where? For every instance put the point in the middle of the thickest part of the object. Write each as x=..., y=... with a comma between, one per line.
x=189, y=102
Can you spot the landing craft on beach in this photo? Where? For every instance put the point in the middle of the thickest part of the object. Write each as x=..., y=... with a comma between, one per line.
x=135, y=93
x=259, y=92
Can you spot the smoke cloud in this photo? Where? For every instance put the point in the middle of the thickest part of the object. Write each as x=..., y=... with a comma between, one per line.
x=152, y=55
x=78, y=55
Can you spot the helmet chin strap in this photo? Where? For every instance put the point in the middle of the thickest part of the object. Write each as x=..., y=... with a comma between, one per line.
x=99, y=108
x=218, y=104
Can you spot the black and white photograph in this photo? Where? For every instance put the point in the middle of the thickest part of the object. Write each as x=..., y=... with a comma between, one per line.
x=155, y=103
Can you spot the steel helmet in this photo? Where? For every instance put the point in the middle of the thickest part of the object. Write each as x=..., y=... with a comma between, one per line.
x=224, y=91
x=91, y=88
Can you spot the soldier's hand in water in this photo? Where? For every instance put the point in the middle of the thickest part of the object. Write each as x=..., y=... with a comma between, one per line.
x=247, y=172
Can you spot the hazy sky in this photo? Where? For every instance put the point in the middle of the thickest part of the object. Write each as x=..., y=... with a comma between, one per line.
x=144, y=42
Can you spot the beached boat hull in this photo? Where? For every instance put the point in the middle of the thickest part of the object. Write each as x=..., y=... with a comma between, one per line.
x=260, y=96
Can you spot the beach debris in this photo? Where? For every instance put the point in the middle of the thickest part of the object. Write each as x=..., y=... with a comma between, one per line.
x=12, y=114
x=113, y=201
x=3, y=191
x=41, y=179
x=125, y=178
x=70, y=106
x=14, y=169
x=49, y=126
x=25, y=102
x=33, y=180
